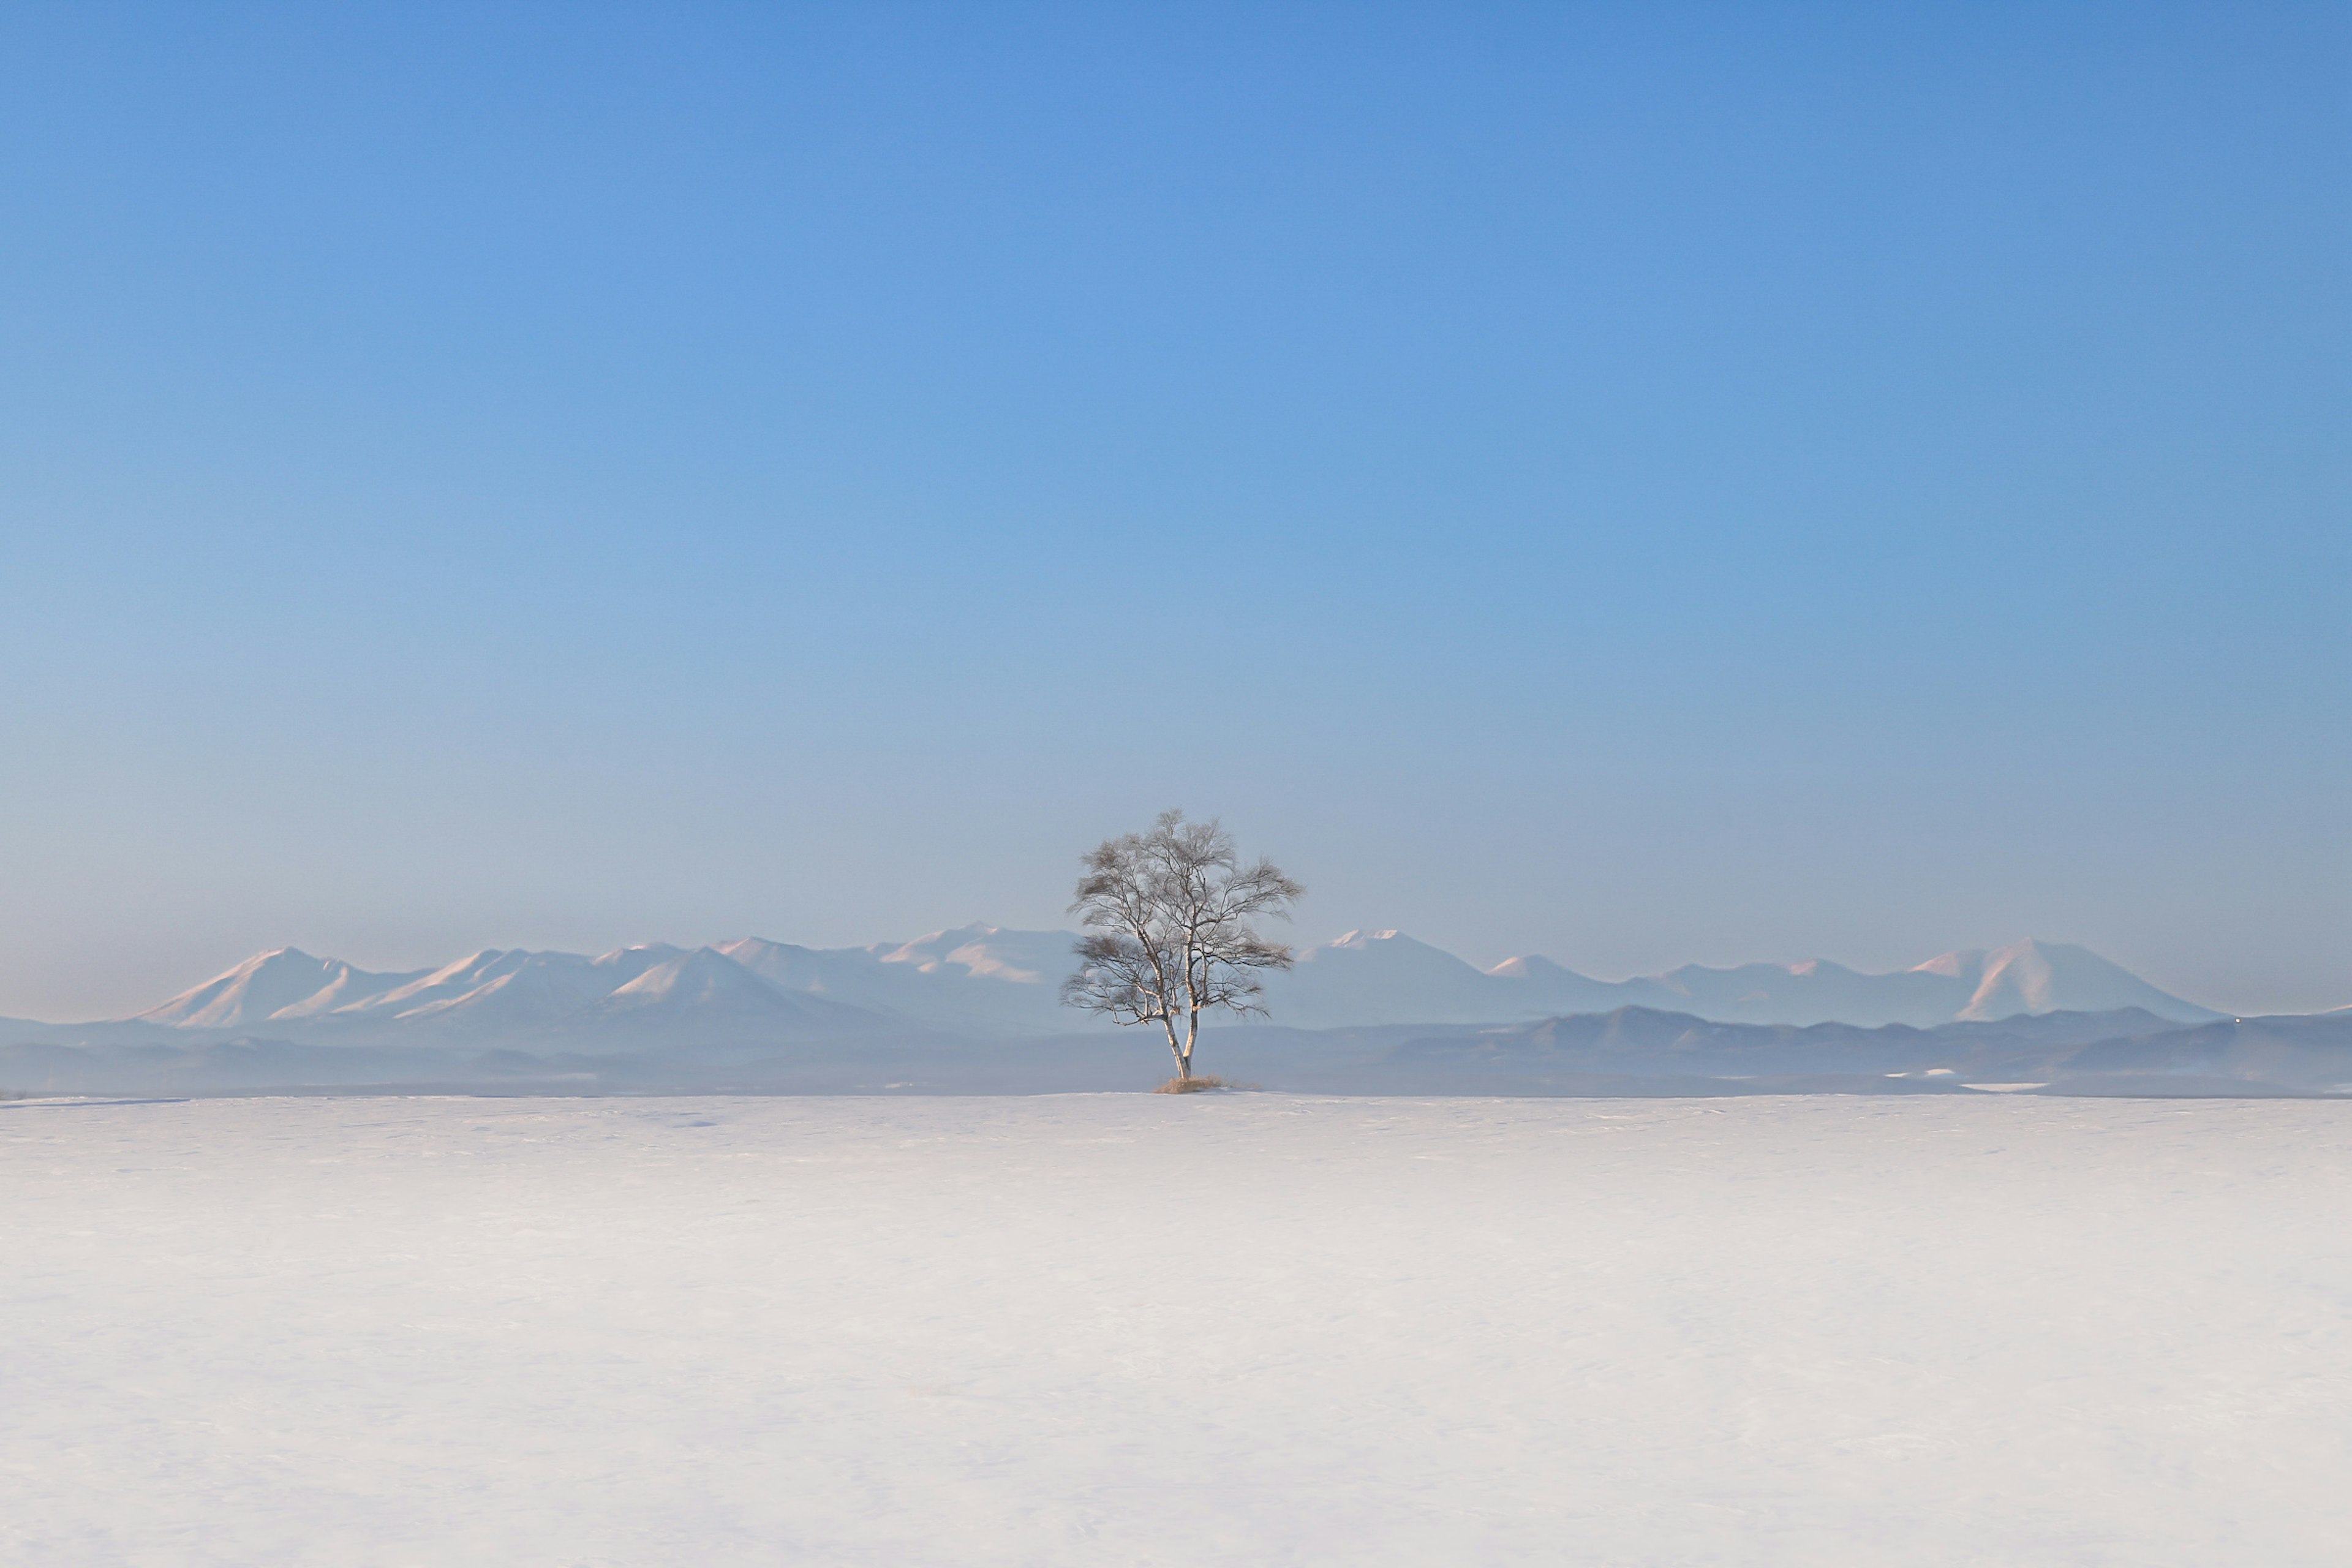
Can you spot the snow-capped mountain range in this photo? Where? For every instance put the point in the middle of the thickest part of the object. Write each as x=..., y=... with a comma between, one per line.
x=983, y=981
x=1386, y=976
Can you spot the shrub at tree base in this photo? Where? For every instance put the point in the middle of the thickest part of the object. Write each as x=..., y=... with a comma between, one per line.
x=1190, y=1085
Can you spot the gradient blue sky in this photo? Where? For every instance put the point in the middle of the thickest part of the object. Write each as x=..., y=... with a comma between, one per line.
x=1632, y=482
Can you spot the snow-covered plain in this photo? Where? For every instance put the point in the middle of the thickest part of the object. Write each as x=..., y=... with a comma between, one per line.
x=1122, y=1329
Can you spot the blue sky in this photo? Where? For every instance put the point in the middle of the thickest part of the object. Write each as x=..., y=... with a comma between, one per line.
x=1637, y=483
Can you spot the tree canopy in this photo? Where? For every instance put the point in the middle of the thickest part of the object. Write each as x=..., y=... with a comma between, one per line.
x=1169, y=917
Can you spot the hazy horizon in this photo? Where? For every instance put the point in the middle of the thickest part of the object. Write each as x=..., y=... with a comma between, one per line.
x=1641, y=485
x=1301, y=942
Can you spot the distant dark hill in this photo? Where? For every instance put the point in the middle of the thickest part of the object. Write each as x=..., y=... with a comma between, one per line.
x=2294, y=1051
x=2057, y=1049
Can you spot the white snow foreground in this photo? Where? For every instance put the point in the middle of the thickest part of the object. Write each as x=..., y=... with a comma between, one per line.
x=1142, y=1330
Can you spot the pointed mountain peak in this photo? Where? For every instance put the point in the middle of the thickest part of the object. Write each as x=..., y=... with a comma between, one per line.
x=2037, y=977
x=983, y=952
x=736, y=947
x=701, y=980
x=1392, y=941
x=268, y=983
x=279, y=958
x=654, y=951
x=696, y=966
x=1952, y=964
x=624, y=964
x=1531, y=966
x=1387, y=952
x=933, y=942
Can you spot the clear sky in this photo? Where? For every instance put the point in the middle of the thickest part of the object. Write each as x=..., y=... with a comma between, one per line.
x=1631, y=482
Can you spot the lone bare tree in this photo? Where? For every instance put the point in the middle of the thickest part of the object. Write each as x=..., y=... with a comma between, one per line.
x=1168, y=916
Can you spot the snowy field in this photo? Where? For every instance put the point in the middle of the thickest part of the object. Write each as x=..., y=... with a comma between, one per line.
x=1126, y=1330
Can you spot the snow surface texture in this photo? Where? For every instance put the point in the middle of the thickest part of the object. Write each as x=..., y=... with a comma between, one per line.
x=1246, y=1329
